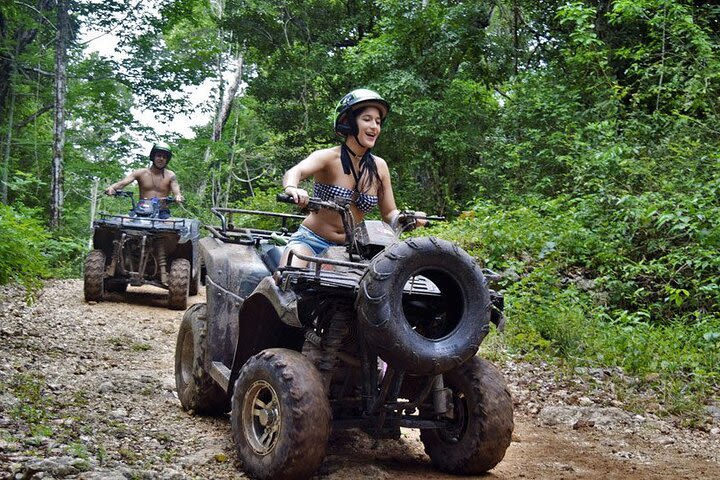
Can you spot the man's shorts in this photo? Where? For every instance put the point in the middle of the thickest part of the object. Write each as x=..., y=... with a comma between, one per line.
x=305, y=236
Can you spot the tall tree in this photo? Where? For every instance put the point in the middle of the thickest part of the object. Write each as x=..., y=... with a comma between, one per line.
x=61, y=46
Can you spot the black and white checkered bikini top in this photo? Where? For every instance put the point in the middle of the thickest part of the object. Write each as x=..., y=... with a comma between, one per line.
x=362, y=201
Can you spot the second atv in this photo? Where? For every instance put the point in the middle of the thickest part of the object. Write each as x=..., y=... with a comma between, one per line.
x=144, y=249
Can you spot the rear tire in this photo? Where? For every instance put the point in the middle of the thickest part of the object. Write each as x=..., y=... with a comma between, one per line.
x=178, y=281
x=94, y=276
x=280, y=416
x=483, y=425
x=196, y=390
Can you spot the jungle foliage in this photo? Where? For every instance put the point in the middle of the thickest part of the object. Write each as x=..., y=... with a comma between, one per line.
x=574, y=145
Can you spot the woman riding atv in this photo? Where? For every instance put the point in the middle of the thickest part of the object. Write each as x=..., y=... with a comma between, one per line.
x=350, y=170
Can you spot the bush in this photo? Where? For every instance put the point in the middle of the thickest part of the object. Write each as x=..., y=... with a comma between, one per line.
x=22, y=241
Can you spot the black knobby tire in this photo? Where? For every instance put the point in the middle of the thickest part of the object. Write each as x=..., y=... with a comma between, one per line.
x=94, y=276
x=482, y=429
x=438, y=341
x=196, y=390
x=178, y=283
x=280, y=416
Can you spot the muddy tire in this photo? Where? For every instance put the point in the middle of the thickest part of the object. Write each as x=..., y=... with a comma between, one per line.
x=439, y=335
x=94, y=276
x=280, y=416
x=178, y=282
x=483, y=425
x=196, y=390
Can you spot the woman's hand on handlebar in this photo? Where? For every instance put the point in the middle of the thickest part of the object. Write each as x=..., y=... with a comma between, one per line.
x=421, y=219
x=299, y=195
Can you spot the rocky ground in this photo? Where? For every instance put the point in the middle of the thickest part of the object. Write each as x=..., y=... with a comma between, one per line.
x=87, y=391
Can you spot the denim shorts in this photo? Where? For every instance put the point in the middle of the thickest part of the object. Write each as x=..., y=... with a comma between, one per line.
x=305, y=236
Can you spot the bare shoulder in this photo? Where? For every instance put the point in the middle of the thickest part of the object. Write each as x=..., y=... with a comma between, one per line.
x=140, y=172
x=319, y=160
x=325, y=154
x=381, y=164
x=169, y=173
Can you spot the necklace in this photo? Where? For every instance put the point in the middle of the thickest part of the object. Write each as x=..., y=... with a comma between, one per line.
x=152, y=179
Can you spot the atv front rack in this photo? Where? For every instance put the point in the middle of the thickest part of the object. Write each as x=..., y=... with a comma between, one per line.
x=417, y=284
x=144, y=223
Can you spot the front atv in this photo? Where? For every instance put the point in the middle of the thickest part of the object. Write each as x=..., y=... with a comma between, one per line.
x=143, y=248
x=379, y=335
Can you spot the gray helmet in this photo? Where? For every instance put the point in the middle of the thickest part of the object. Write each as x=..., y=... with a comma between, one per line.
x=357, y=99
x=160, y=147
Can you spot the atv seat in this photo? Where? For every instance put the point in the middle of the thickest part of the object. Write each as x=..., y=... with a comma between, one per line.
x=271, y=256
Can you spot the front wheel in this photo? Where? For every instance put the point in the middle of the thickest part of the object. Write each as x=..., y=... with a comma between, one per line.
x=178, y=283
x=476, y=440
x=196, y=390
x=280, y=416
x=94, y=276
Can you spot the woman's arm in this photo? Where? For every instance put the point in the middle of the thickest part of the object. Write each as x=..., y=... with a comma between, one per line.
x=311, y=165
x=388, y=209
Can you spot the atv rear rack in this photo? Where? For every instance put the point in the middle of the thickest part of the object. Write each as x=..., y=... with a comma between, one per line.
x=227, y=232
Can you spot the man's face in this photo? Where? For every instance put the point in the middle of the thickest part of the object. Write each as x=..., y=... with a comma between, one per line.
x=160, y=159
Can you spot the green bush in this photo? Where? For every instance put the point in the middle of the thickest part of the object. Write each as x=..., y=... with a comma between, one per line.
x=606, y=281
x=22, y=243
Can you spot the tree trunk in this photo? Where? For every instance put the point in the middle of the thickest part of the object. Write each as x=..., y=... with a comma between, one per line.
x=232, y=163
x=63, y=33
x=226, y=106
x=222, y=114
x=8, y=138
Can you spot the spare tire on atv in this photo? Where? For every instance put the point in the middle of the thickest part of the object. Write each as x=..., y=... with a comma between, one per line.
x=412, y=333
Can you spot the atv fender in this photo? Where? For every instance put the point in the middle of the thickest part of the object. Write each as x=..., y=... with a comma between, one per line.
x=284, y=303
x=191, y=231
x=267, y=319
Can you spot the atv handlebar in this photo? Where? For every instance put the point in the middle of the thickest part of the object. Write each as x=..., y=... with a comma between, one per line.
x=407, y=220
x=314, y=203
x=122, y=193
x=167, y=201
x=342, y=203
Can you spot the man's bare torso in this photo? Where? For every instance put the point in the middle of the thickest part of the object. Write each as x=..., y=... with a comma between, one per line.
x=153, y=183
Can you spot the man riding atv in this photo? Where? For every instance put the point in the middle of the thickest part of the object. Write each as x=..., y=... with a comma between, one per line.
x=155, y=181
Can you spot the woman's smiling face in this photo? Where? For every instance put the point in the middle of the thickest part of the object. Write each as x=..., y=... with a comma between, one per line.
x=369, y=122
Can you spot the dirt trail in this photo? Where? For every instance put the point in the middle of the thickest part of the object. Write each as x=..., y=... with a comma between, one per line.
x=107, y=409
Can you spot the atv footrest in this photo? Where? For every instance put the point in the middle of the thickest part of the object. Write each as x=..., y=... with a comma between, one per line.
x=221, y=374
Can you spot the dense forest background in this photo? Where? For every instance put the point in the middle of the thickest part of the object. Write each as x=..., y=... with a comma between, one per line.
x=575, y=146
